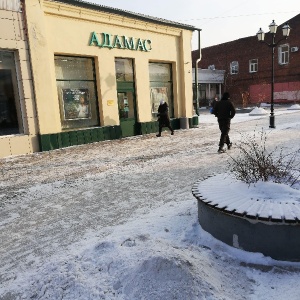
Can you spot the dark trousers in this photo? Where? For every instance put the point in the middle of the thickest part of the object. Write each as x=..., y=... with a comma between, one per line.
x=224, y=125
x=160, y=127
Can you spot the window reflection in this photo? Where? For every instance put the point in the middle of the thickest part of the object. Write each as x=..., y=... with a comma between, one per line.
x=76, y=84
x=124, y=69
x=10, y=109
x=161, y=87
x=126, y=105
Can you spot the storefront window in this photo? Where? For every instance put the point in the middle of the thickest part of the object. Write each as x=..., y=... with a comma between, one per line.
x=10, y=110
x=161, y=87
x=76, y=84
x=124, y=69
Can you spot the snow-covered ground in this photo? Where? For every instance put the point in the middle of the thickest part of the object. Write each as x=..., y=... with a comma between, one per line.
x=117, y=220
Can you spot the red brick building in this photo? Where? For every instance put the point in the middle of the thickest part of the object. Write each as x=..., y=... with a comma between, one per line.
x=248, y=67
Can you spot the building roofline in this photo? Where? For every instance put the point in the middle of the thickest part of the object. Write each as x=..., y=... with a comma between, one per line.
x=290, y=21
x=126, y=13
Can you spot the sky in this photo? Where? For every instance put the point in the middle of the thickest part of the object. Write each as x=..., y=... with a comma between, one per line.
x=122, y=230
x=220, y=21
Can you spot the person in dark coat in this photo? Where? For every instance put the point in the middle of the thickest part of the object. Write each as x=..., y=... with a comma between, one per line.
x=163, y=117
x=224, y=110
x=213, y=104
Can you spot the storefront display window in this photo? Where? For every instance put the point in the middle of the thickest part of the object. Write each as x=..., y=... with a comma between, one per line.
x=76, y=84
x=10, y=109
x=161, y=87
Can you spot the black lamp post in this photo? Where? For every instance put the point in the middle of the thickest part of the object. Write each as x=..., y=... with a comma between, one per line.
x=261, y=36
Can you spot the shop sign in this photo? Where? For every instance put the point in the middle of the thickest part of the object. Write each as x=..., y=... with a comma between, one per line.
x=107, y=40
x=110, y=102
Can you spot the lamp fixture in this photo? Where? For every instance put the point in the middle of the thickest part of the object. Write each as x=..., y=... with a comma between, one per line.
x=261, y=38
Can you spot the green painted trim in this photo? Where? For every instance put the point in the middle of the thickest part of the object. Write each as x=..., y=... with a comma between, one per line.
x=63, y=139
x=193, y=122
x=100, y=134
x=94, y=136
x=73, y=138
x=91, y=135
x=44, y=141
x=152, y=127
x=125, y=86
x=175, y=123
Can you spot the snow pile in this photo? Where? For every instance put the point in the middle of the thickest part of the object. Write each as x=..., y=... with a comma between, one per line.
x=267, y=191
x=294, y=107
x=164, y=255
x=262, y=104
x=257, y=111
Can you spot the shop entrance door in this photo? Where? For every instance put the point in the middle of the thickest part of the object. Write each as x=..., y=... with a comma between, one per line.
x=127, y=112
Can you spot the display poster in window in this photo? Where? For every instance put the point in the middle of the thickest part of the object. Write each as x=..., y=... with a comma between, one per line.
x=126, y=107
x=76, y=104
x=157, y=94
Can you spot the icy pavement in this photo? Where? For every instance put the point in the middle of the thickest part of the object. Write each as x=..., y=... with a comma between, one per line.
x=54, y=200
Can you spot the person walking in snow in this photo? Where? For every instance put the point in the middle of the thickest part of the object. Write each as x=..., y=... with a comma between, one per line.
x=224, y=110
x=163, y=117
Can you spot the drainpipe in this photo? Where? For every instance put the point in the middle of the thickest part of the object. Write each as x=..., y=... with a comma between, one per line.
x=196, y=72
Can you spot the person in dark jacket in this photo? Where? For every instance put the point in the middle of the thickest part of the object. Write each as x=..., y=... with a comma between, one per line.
x=224, y=111
x=213, y=104
x=163, y=117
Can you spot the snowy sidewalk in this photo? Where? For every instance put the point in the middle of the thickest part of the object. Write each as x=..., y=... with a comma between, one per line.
x=53, y=205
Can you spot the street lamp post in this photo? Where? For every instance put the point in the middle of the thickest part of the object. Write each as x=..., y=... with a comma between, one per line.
x=261, y=36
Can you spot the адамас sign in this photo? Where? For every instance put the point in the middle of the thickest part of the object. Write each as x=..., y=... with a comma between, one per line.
x=107, y=40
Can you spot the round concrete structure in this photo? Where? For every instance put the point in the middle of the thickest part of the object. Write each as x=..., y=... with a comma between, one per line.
x=270, y=228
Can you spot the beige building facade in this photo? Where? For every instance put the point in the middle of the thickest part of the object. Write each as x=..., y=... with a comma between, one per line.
x=95, y=73
x=18, y=126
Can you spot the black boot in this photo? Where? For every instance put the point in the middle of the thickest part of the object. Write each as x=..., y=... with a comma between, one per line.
x=221, y=149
